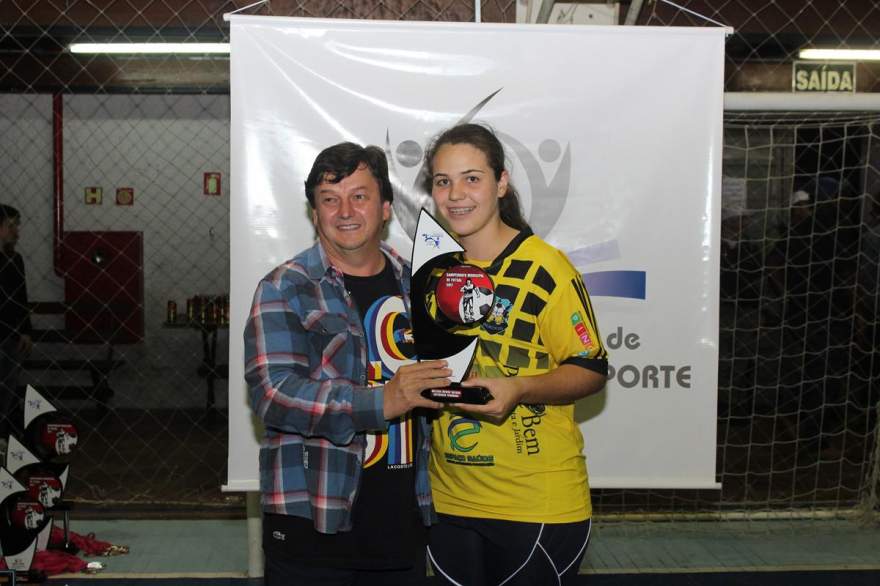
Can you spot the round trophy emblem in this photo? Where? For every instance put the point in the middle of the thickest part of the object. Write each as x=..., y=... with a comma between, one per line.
x=464, y=294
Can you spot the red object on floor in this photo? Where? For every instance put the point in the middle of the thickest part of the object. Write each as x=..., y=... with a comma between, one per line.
x=52, y=562
x=88, y=545
x=55, y=561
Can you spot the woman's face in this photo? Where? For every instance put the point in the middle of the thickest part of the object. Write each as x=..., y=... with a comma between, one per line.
x=465, y=190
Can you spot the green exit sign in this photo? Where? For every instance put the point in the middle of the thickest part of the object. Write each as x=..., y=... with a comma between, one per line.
x=820, y=76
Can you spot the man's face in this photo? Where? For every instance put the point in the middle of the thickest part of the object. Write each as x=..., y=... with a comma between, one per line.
x=349, y=215
x=9, y=234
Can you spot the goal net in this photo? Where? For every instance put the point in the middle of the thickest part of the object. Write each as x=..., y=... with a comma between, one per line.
x=798, y=372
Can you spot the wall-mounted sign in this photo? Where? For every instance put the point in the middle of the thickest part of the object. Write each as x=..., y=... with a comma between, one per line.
x=821, y=76
x=124, y=196
x=94, y=196
x=211, y=184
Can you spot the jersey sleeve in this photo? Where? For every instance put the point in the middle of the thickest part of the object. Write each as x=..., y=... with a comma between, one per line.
x=568, y=323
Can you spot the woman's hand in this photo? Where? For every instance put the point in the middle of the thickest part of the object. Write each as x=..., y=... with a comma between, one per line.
x=563, y=385
x=506, y=394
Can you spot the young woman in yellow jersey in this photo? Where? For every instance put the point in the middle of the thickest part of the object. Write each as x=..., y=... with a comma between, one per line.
x=509, y=478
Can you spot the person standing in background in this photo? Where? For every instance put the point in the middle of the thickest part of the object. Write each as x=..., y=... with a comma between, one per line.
x=15, y=322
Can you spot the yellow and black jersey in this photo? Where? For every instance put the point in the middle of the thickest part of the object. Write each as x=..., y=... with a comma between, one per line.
x=531, y=467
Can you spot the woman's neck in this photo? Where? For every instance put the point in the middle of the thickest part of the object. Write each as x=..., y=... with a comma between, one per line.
x=489, y=242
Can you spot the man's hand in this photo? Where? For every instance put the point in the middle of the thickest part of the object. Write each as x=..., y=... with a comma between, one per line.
x=506, y=394
x=25, y=345
x=403, y=391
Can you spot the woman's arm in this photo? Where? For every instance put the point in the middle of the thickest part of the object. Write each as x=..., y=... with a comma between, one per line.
x=565, y=384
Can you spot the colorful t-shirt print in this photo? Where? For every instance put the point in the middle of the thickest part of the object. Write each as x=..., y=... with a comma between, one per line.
x=389, y=346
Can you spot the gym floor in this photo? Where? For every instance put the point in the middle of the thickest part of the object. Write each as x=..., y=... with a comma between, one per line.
x=698, y=553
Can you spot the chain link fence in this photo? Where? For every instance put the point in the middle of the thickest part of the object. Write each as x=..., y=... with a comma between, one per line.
x=767, y=37
x=127, y=159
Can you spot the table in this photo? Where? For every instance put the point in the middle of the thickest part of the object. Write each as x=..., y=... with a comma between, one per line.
x=209, y=369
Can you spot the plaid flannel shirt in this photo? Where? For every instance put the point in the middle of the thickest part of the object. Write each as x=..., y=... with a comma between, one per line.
x=306, y=371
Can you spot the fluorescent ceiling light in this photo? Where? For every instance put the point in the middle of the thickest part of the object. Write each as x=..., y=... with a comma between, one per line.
x=151, y=48
x=841, y=54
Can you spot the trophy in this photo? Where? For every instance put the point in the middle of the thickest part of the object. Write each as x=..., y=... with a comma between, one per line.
x=51, y=436
x=462, y=295
x=23, y=523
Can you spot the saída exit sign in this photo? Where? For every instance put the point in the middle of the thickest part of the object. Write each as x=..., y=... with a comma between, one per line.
x=820, y=76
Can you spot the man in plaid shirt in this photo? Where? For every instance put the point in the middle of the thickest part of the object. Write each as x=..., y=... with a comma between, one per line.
x=331, y=374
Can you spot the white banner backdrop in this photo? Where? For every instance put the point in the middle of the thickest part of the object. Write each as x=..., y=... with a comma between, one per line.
x=614, y=138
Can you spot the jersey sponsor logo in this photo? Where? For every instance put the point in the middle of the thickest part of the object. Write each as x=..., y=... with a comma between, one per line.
x=389, y=346
x=496, y=322
x=458, y=431
x=469, y=459
x=526, y=438
x=577, y=322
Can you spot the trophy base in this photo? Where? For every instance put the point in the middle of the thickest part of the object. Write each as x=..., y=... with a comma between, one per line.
x=459, y=394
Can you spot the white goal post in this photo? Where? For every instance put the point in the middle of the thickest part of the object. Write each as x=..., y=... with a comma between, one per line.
x=791, y=102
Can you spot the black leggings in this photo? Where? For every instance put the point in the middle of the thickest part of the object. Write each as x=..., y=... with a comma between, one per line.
x=488, y=552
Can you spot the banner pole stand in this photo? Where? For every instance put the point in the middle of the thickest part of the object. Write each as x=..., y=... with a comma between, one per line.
x=255, y=535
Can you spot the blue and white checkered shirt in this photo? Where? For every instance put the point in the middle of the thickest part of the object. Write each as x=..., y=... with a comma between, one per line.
x=306, y=371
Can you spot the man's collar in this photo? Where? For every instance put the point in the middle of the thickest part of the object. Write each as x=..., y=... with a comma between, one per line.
x=318, y=264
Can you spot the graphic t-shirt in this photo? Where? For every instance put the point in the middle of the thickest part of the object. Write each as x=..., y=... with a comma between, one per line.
x=387, y=530
x=531, y=467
